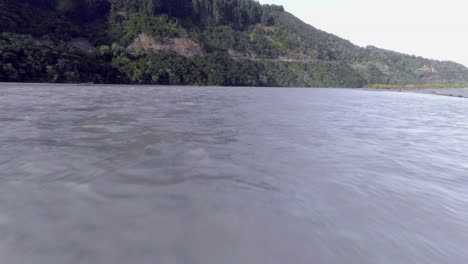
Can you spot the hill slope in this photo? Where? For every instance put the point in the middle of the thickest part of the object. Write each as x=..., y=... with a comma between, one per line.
x=203, y=42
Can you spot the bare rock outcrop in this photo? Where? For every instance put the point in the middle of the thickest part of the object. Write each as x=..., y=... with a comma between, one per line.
x=429, y=69
x=182, y=46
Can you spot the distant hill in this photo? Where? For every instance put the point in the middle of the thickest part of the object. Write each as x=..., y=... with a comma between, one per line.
x=199, y=42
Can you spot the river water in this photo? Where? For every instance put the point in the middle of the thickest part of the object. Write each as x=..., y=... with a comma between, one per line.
x=124, y=174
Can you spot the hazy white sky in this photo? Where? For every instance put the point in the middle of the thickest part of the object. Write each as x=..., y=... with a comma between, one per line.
x=436, y=29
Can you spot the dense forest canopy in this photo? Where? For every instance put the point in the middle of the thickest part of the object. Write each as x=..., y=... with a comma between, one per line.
x=205, y=42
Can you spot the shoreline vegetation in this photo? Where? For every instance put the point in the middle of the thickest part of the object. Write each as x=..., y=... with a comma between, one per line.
x=416, y=86
x=195, y=42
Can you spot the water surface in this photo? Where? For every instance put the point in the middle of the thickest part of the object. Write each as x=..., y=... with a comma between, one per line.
x=124, y=174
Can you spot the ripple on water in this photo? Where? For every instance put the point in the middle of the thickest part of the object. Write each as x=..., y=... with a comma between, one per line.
x=122, y=174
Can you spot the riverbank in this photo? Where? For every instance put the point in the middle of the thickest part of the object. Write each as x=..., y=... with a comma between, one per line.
x=418, y=86
x=454, y=92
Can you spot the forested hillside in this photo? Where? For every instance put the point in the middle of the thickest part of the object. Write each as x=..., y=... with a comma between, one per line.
x=200, y=42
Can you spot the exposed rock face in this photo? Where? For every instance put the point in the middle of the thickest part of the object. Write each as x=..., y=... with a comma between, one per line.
x=384, y=68
x=429, y=69
x=43, y=41
x=83, y=45
x=182, y=46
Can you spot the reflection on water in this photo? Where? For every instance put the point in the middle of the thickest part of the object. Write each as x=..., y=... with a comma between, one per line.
x=122, y=174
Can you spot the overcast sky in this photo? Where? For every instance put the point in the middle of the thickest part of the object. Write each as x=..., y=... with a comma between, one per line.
x=436, y=29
